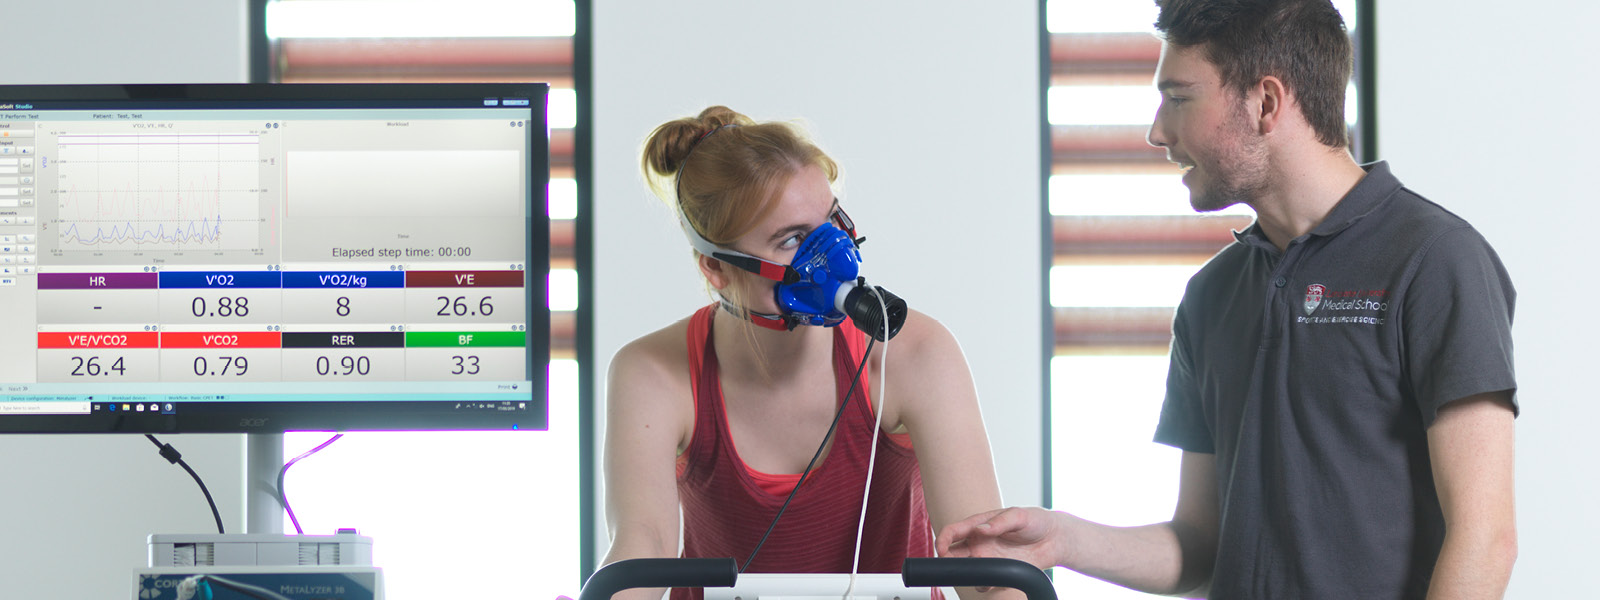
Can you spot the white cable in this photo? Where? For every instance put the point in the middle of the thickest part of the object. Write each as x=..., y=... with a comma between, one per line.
x=186, y=589
x=190, y=586
x=872, y=456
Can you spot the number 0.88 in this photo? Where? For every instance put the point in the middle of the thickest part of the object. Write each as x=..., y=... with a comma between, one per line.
x=226, y=307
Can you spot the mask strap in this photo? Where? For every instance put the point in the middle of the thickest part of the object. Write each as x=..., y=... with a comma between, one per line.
x=764, y=320
x=843, y=222
x=764, y=268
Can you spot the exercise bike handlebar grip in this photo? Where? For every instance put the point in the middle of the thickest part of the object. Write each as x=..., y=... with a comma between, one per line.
x=659, y=572
x=991, y=572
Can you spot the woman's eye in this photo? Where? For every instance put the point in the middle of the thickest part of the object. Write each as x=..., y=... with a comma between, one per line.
x=792, y=241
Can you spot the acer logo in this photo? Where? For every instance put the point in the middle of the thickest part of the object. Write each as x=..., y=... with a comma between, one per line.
x=252, y=421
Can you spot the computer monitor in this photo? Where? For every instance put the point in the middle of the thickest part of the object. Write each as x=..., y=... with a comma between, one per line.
x=265, y=258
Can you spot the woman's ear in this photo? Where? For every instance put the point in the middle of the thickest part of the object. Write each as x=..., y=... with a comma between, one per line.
x=715, y=271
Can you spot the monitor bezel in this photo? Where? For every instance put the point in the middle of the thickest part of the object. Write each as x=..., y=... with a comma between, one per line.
x=375, y=415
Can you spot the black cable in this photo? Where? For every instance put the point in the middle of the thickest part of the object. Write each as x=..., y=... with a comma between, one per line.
x=283, y=498
x=172, y=456
x=847, y=395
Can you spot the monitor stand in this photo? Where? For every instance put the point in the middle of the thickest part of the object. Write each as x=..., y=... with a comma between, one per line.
x=263, y=459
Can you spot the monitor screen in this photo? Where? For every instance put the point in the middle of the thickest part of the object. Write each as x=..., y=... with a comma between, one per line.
x=264, y=258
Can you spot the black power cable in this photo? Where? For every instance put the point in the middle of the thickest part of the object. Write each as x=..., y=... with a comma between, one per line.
x=172, y=456
x=865, y=356
x=283, y=498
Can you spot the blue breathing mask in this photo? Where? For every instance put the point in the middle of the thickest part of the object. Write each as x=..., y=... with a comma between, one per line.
x=821, y=286
x=827, y=260
x=809, y=289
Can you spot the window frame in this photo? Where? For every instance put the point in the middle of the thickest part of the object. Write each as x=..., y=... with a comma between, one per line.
x=571, y=240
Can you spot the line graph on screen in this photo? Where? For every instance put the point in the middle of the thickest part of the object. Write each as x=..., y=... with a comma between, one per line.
x=158, y=191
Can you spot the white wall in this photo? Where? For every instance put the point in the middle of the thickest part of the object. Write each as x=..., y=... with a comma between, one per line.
x=1487, y=108
x=150, y=41
x=76, y=508
x=932, y=110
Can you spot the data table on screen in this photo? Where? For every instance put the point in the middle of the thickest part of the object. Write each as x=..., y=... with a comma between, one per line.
x=277, y=324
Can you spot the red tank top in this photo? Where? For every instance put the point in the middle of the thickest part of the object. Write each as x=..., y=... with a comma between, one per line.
x=726, y=509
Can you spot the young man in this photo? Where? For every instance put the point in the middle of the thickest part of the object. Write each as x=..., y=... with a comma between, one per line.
x=1341, y=377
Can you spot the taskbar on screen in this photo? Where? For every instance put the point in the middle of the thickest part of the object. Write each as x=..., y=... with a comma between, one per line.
x=511, y=406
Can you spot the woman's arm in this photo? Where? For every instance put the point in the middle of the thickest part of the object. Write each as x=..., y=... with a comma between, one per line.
x=930, y=388
x=648, y=417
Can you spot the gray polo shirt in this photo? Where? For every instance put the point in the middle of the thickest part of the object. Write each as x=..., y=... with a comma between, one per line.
x=1313, y=374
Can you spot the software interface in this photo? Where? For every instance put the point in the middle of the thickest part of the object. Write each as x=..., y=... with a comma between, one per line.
x=151, y=258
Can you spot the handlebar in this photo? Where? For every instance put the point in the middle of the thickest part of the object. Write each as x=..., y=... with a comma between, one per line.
x=659, y=572
x=991, y=572
x=724, y=572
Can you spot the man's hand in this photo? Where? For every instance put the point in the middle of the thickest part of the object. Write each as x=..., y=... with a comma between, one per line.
x=1170, y=558
x=1022, y=533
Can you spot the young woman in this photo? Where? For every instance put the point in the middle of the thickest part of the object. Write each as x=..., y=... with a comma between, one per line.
x=720, y=413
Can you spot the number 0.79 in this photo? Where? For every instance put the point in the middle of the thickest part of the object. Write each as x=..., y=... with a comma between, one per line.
x=235, y=365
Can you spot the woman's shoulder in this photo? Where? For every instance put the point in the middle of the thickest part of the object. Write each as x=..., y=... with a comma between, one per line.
x=658, y=357
x=648, y=392
x=923, y=338
x=653, y=368
x=924, y=345
x=927, y=373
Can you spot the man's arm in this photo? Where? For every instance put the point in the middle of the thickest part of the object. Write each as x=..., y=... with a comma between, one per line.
x=1172, y=558
x=1470, y=444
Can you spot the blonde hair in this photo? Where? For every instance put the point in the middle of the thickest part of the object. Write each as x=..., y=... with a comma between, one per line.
x=738, y=168
x=725, y=170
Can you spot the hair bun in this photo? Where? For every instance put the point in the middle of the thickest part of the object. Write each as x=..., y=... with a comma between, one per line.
x=670, y=144
x=717, y=117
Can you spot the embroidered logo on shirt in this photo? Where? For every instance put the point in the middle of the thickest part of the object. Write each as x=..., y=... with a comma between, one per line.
x=1313, y=297
x=1357, y=306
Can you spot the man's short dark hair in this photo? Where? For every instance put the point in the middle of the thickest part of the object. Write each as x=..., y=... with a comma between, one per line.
x=1301, y=42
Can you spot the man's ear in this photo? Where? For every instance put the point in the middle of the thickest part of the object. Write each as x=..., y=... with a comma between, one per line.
x=1274, y=101
x=715, y=271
